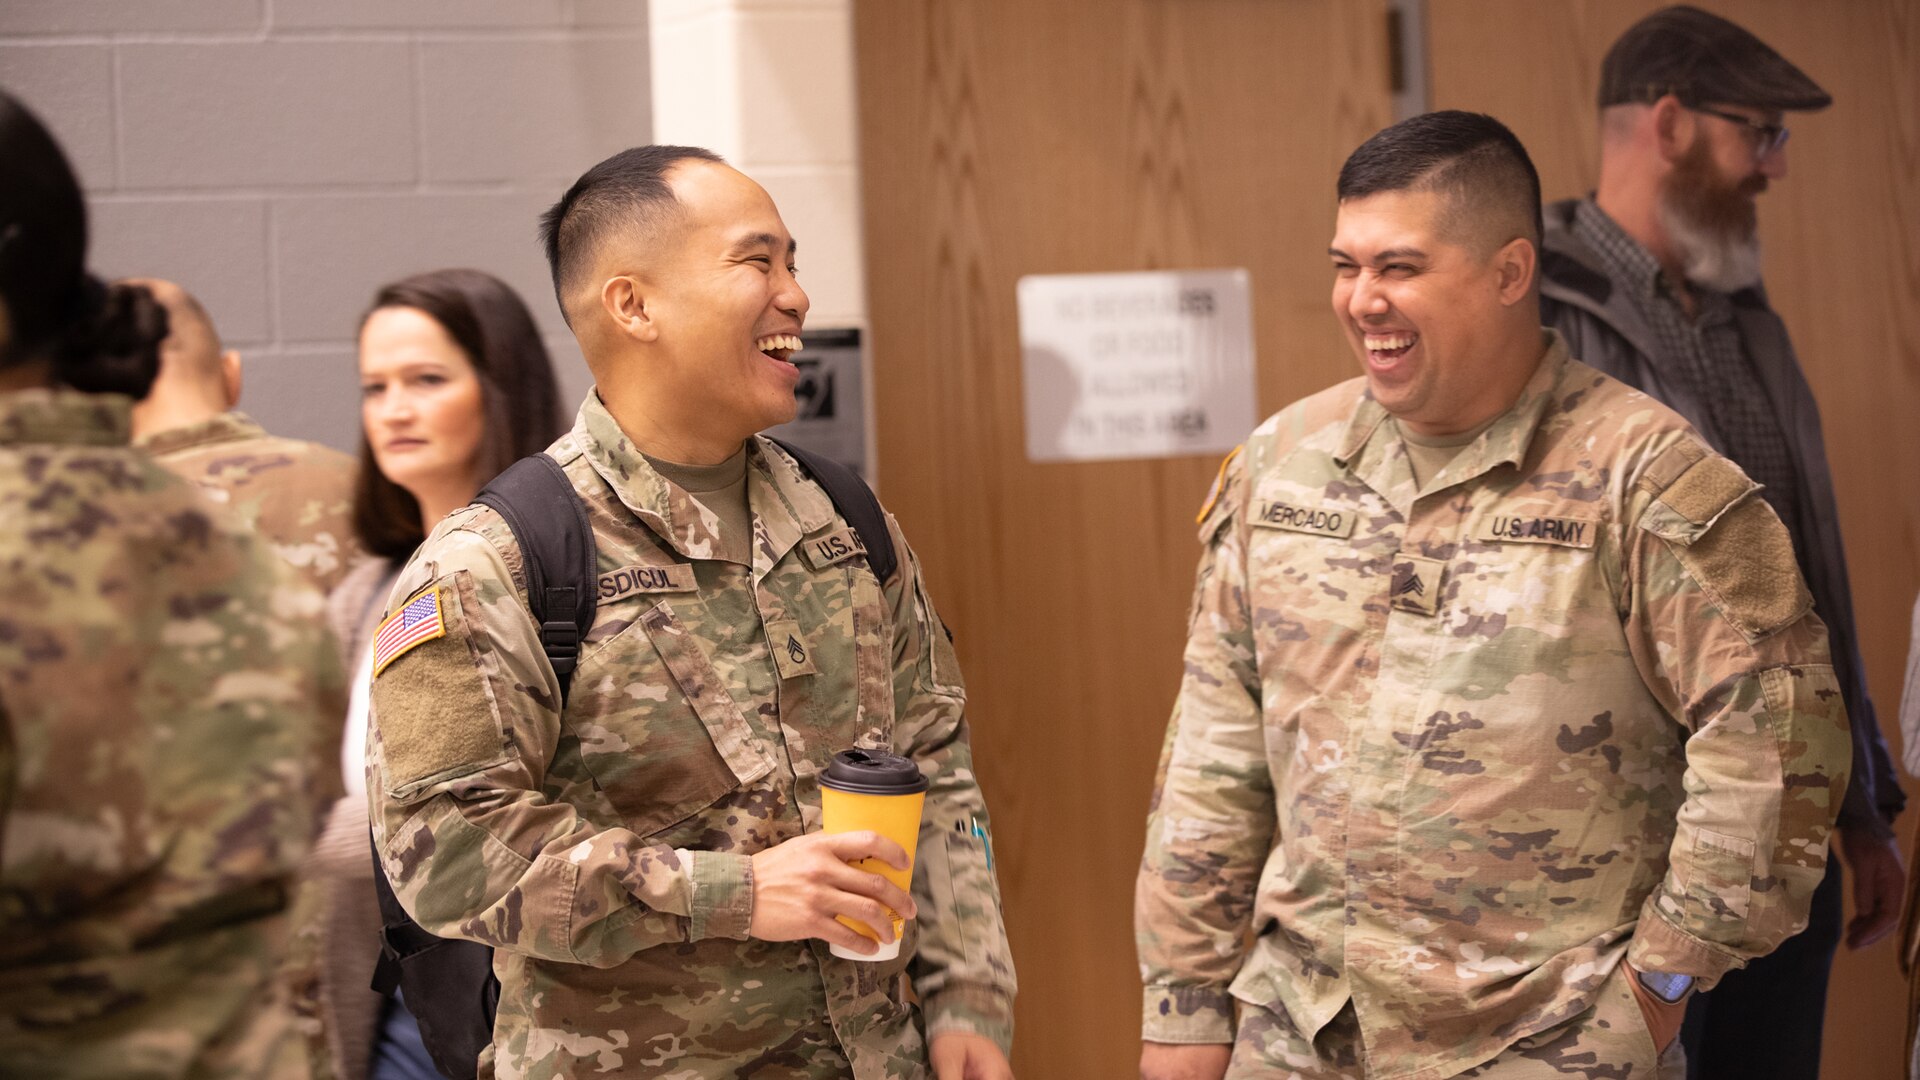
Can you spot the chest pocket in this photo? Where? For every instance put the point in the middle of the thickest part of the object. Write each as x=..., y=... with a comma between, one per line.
x=1319, y=557
x=658, y=731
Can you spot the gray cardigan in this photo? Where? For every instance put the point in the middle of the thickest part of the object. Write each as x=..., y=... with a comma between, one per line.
x=1603, y=328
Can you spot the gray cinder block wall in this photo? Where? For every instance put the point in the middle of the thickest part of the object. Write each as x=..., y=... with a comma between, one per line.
x=283, y=158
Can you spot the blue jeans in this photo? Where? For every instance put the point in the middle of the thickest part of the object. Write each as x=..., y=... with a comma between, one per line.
x=398, y=1052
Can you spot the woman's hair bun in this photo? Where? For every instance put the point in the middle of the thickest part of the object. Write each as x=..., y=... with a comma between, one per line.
x=112, y=341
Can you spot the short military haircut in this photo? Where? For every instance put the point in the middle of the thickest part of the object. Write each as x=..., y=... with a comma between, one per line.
x=626, y=192
x=1488, y=181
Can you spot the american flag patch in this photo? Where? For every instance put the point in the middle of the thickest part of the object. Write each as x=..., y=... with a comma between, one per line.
x=417, y=622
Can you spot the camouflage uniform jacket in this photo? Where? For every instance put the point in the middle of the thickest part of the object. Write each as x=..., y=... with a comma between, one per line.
x=164, y=682
x=1450, y=753
x=299, y=494
x=604, y=852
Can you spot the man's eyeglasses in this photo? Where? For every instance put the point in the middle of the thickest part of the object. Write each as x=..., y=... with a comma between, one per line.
x=1767, y=138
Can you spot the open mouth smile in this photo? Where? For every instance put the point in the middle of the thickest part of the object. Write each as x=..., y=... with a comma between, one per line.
x=1384, y=349
x=779, y=346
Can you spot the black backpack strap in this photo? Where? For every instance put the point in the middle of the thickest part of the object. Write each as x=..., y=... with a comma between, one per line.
x=448, y=985
x=400, y=936
x=549, y=521
x=856, y=502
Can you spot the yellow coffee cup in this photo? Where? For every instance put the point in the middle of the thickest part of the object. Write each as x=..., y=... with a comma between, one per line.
x=878, y=791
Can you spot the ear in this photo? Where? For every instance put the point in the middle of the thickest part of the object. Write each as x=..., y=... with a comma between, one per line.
x=1673, y=128
x=626, y=305
x=1516, y=263
x=230, y=376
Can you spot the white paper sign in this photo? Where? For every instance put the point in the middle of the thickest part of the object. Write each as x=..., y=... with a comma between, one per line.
x=1137, y=365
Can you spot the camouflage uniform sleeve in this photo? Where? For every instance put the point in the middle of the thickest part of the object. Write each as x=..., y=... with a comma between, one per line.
x=1212, y=818
x=1723, y=632
x=461, y=732
x=962, y=967
x=296, y=598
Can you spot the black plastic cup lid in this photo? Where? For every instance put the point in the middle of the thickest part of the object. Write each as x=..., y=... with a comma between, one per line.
x=873, y=772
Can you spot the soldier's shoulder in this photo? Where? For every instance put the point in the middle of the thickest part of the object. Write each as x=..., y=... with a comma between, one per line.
x=1327, y=408
x=1593, y=396
x=1622, y=428
x=312, y=455
x=1224, y=498
x=1317, y=420
x=149, y=502
x=474, y=539
x=102, y=509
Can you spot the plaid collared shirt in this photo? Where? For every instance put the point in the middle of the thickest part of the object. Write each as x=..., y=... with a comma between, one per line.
x=1704, y=356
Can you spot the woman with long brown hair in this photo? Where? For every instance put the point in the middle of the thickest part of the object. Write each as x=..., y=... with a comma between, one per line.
x=455, y=385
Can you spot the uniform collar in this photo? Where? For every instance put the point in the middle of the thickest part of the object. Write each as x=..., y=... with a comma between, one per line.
x=224, y=427
x=65, y=417
x=786, y=505
x=1371, y=448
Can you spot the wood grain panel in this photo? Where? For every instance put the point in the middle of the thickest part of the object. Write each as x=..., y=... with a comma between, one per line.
x=1008, y=137
x=1843, y=267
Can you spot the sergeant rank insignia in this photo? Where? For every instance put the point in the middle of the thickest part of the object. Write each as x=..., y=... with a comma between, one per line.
x=1416, y=584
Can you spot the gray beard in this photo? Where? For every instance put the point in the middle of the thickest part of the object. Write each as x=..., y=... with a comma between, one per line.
x=1718, y=260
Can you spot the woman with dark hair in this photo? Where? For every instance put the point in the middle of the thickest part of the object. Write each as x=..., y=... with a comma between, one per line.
x=161, y=722
x=451, y=339
x=455, y=385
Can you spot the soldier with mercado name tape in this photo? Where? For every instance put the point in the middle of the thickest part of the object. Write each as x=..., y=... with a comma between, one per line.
x=647, y=863
x=165, y=689
x=298, y=494
x=1517, y=728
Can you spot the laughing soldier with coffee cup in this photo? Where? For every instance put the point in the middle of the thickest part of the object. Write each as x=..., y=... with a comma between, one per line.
x=649, y=863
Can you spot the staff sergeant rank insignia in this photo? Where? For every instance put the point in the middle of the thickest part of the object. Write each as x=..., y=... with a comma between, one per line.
x=1305, y=519
x=1535, y=529
x=789, y=648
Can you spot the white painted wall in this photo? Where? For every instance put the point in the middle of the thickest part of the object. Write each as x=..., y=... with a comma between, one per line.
x=284, y=158
x=769, y=85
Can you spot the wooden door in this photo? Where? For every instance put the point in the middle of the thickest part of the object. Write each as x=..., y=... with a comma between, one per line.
x=1010, y=137
x=1842, y=235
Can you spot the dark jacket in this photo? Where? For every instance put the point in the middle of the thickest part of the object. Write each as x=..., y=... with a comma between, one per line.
x=1603, y=328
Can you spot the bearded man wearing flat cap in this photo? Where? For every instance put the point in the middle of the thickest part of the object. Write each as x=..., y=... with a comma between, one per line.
x=1655, y=280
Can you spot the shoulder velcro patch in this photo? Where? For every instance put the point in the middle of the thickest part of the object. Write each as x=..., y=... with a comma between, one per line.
x=1707, y=489
x=432, y=708
x=1732, y=545
x=1692, y=487
x=1673, y=461
x=1221, y=501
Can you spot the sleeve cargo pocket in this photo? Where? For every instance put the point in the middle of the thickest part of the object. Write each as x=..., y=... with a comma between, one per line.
x=1718, y=884
x=939, y=666
x=434, y=712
